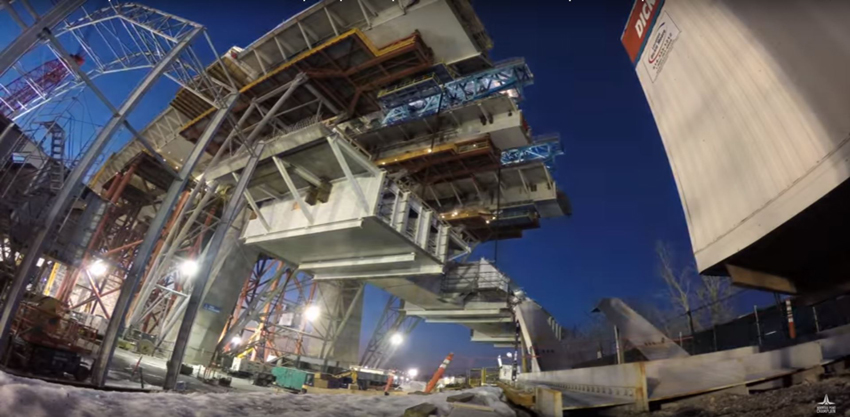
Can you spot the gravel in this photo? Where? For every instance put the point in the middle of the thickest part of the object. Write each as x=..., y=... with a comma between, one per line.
x=797, y=400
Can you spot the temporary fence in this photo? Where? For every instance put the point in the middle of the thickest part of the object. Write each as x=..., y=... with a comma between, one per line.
x=781, y=322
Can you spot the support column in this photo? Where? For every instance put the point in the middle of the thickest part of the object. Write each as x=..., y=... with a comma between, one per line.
x=423, y=232
x=72, y=186
x=356, y=303
x=230, y=212
x=101, y=364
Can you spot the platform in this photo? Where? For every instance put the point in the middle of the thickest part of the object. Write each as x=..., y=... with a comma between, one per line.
x=358, y=223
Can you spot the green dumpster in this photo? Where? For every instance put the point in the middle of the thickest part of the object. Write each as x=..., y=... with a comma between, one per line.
x=291, y=378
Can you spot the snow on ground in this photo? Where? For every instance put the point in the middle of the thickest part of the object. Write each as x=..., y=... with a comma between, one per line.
x=34, y=398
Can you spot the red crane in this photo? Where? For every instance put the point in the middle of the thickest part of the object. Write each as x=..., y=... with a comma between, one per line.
x=40, y=81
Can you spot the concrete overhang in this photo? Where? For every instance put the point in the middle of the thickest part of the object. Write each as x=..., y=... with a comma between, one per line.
x=450, y=27
x=483, y=338
x=457, y=313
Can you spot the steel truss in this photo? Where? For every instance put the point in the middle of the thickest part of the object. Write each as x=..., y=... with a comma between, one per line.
x=393, y=321
x=277, y=304
x=274, y=297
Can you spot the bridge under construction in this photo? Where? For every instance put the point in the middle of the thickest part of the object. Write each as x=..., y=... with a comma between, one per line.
x=227, y=213
x=360, y=142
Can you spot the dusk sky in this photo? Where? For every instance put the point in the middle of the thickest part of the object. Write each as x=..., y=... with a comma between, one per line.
x=614, y=169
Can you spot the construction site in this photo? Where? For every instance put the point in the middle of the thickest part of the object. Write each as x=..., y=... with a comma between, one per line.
x=214, y=260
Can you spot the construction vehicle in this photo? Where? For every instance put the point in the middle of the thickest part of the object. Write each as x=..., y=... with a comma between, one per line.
x=47, y=340
x=340, y=380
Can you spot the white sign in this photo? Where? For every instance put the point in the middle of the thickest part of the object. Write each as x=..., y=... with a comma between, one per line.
x=659, y=45
x=286, y=319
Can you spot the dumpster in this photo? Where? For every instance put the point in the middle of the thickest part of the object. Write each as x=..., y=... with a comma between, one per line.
x=291, y=379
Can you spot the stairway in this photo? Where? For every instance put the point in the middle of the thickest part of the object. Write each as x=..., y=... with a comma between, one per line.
x=56, y=167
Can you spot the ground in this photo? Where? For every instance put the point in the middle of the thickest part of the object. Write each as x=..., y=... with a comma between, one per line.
x=28, y=397
x=123, y=363
x=797, y=400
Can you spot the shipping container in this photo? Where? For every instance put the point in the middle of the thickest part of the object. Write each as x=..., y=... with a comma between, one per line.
x=752, y=102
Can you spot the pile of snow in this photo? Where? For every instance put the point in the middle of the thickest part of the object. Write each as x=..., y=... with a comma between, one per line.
x=35, y=398
x=413, y=386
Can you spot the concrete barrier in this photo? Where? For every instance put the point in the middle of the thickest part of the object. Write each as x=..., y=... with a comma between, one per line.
x=671, y=378
x=547, y=402
x=835, y=347
x=775, y=362
x=626, y=381
x=615, y=380
x=667, y=379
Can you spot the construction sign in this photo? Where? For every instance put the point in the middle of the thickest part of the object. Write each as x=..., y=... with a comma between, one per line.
x=639, y=26
x=660, y=44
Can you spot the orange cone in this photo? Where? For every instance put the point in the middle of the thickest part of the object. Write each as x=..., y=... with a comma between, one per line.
x=389, y=384
x=439, y=373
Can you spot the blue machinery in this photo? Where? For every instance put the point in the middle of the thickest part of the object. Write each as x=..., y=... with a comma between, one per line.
x=426, y=99
x=545, y=150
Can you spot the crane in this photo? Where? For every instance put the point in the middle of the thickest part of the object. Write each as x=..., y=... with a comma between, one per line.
x=37, y=83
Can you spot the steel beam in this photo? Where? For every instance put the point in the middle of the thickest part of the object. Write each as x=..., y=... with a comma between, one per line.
x=32, y=34
x=461, y=314
x=361, y=198
x=365, y=15
x=471, y=320
x=153, y=234
x=230, y=212
x=72, y=185
x=299, y=79
x=291, y=186
x=253, y=204
x=356, y=156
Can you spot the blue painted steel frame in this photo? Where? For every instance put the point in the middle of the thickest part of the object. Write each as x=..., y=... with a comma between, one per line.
x=545, y=151
x=510, y=75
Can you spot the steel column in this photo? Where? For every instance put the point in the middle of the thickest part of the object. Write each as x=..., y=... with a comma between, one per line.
x=203, y=274
x=101, y=365
x=72, y=186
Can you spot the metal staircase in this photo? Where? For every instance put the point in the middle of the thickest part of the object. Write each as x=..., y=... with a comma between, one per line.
x=56, y=168
x=51, y=175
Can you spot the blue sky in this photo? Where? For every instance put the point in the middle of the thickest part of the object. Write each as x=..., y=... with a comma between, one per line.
x=614, y=169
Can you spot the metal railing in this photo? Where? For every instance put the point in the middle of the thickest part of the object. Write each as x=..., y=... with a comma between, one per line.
x=392, y=191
